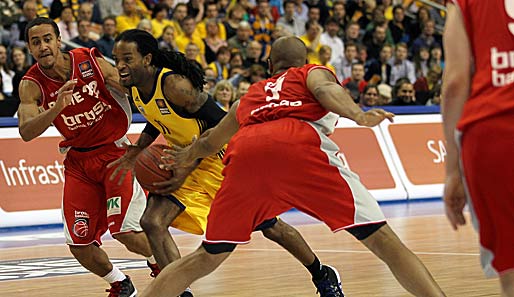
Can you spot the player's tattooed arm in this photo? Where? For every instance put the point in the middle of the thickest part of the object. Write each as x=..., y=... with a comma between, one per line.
x=180, y=91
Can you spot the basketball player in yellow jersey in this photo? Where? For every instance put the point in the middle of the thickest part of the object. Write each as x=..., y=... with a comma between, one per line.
x=167, y=89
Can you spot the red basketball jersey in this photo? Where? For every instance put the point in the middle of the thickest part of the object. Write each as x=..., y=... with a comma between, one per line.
x=94, y=117
x=285, y=95
x=490, y=29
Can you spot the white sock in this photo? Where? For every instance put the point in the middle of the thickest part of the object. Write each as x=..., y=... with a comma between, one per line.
x=151, y=260
x=114, y=276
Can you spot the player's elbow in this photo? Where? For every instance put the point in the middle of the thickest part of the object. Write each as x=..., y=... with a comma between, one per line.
x=25, y=134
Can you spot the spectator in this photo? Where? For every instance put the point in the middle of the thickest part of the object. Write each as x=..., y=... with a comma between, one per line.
x=422, y=16
x=384, y=91
x=221, y=64
x=224, y=94
x=424, y=86
x=6, y=75
x=355, y=83
x=254, y=54
x=403, y=93
x=339, y=14
x=106, y=42
x=352, y=33
x=435, y=96
x=159, y=19
x=330, y=38
x=421, y=62
x=67, y=25
x=290, y=21
x=196, y=10
x=301, y=10
x=192, y=52
x=109, y=7
x=213, y=41
x=235, y=16
x=20, y=65
x=86, y=13
x=213, y=17
x=242, y=89
x=130, y=17
x=242, y=38
x=401, y=67
x=236, y=59
x=257, y=73
x=145, y=25
x=179, y=13
x=312, y=40
x=324, y=54
x=398, y=26
x=189, y=36
x=362, y=53
x=313, y=14
x=378, y=20
x=376, y=42
x=379, y=71
x=210, y=80
x=436, y=57
x=29, y=12
x=428, y=38
x=262, y=26
x=83, y=39
x=344, y=68
x=369, y=96
x=167, y=40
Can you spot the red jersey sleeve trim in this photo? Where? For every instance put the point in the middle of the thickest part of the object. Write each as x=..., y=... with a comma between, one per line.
x=324, y=68
x=95, y=53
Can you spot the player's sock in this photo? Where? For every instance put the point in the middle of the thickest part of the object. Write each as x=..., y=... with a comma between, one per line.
x=316, y=269
x=114, y=276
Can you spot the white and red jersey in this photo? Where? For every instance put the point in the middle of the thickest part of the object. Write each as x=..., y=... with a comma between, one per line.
x=285, y=95
x=490, y=29
x=94, y=117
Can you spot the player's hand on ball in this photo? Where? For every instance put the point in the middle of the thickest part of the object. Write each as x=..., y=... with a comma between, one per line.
x=174, y=183
x=125, y=164
x=373, y=117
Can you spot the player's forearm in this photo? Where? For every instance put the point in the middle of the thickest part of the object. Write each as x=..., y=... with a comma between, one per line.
x=454, y=96
x=35, y=126
x=144, y=140
x=334, y=98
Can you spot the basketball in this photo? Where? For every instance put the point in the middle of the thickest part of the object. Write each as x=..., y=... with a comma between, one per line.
x=147, y=169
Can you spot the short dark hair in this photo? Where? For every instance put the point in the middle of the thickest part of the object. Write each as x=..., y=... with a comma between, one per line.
x=287, y=2
x=41, y=21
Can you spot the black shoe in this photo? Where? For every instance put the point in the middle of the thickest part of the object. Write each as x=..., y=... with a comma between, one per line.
x=123, y=288
x=155, y=269
x=330, y=284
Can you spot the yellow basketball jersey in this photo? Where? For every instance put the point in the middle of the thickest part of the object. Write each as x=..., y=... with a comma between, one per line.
x=200, y=187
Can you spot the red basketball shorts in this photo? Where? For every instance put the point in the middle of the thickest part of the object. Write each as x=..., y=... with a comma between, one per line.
x=283, y=164
x=92, y=203
x=488, y=164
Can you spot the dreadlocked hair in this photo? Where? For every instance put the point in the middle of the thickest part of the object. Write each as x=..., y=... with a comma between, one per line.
x=177, y=61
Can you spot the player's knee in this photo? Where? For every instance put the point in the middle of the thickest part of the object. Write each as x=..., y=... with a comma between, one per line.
x=79, y=251
x=278, y=231
x=151, y=223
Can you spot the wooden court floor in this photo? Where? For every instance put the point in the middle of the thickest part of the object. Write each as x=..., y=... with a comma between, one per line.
x=263, y=269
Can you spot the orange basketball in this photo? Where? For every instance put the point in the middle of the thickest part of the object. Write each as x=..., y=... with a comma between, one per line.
x=147, y=167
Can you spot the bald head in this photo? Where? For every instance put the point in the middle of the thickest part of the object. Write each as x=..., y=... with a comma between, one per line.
x=287, y=52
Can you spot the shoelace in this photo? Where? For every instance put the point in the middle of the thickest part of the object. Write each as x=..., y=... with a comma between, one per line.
x=116, y=289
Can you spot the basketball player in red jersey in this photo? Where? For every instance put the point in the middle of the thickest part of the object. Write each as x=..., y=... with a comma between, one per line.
x=280, y=157
x=478, y=109
x=72, y=91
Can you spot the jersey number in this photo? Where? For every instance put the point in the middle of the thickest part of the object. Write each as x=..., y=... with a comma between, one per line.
x=275, y=88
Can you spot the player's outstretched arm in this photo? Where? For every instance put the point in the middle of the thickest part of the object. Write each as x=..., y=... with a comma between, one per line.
x=32, y=123
x=208, y=144
x=456, y=88
x=333, y=97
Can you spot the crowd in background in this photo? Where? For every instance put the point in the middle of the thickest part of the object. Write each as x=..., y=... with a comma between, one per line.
x=384, y=52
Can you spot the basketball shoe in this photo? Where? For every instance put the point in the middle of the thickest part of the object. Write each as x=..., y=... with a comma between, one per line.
x=330, y=284
x=187, y=293
x=155, y=269
x=123, y=288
